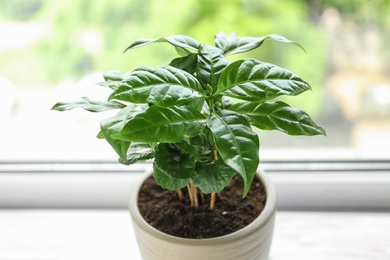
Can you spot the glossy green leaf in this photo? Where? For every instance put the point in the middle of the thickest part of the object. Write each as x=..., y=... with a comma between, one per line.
x=163, y=86
x=179, y=41
x=168, y=182
x=166, y=125
x=257, y=81
x=236, y=142
x=173, y=162
x=231, y=44
x=187, y=63
x=197, y=104
x=115, y=124
x=88, y=104
x=199, y=146
x=279, y=116
x=213, y=176
x=211, y=64
x=138, y=152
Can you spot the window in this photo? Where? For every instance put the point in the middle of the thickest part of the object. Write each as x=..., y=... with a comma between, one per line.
x=52, y=51
x=47, y=57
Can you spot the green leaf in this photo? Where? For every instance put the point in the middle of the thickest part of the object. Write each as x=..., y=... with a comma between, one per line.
x=279, y=116
x=226, y=102
x=173, y=162
x=231, y=44
x=258, y=81
x=236, y=142
x=100, y=135
x=199, y=147
x=167, y=182
x=197, y=104
x=211, y=64
x=182, y=42
x=166, y=125
x=113, y=79
x=138, y=152
x=88, y=104
x=187, y=63
x=115, y=124
x=213, y=176
x=114, y=85
x=182, y=51
x=115, y=75
x=163, y=86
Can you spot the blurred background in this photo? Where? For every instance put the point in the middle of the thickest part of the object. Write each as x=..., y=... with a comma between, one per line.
x=54, y=51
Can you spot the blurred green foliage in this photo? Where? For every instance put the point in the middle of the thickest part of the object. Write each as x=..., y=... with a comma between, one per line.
x=364, y=12
x=19, y=9
x=87, y=36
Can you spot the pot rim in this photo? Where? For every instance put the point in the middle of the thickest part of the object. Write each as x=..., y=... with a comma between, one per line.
x=265, y=216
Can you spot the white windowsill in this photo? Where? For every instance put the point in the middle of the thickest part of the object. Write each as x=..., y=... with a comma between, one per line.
x=108, y=234
x=78, y=211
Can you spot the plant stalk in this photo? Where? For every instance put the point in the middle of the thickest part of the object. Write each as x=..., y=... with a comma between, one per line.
x=180, y=194
x=193, y=194
x=215, y=153
x=201, y=196
x=190, y=194
x=212, y=201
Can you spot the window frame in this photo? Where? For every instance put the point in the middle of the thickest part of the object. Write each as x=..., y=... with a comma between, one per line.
x=345, y=185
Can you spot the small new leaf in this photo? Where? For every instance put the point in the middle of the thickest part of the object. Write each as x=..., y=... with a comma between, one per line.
x=180, y=41
x=211, y=63
x=231, y=44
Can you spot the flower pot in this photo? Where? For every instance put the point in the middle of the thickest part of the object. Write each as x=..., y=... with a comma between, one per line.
x=250, y=242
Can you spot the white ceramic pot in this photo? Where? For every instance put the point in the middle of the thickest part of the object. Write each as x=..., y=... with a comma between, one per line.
x=250, y=243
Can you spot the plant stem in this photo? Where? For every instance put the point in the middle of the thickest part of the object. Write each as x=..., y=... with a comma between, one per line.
x=201, y=196
x=213, y=195
x=196, y=197
x=180, y=194
x=190, y=194
x=211, y=105
x=193, y=194
x=212, y=201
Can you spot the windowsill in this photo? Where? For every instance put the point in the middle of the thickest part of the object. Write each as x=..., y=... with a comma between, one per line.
x=78, y=211
x=306, y=186
x=108, y=234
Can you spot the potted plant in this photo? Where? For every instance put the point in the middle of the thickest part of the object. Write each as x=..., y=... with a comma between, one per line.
x=196, y=118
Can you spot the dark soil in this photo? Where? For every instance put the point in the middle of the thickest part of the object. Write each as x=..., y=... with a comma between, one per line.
x=163, y=210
